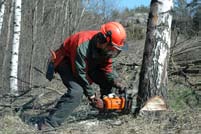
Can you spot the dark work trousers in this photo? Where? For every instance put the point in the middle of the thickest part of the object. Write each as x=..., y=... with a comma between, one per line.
x=72, y=98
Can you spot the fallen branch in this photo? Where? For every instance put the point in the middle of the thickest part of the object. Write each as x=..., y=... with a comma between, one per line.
x=35, y=86
x=40, y=71
x=49, y=88
x=184, y=62
x=186, y=50
x=5, y=105
x=131, y=64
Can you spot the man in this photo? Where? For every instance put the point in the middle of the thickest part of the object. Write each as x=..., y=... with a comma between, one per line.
x=83, y=58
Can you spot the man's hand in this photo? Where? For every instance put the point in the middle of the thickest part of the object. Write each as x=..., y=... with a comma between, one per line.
x=96, y=102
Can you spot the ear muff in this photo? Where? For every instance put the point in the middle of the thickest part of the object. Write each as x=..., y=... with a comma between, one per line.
x=101, y=38
x=105, y=38
x=108, y=33
x=109, y=36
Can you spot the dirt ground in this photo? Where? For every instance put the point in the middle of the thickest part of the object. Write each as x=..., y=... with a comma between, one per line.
x=182, y=117
x=89, y=122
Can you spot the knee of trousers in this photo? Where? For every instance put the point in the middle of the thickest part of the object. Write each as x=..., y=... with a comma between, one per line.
x=75, y=89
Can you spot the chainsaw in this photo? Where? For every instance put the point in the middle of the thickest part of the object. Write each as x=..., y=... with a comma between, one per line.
x=121, y=103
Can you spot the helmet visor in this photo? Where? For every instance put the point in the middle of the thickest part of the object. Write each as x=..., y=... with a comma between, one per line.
x=113, y=54
x=112, y=50
x=122, y=48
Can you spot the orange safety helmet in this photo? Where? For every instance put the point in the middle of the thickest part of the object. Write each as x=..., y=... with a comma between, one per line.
x=115, y=33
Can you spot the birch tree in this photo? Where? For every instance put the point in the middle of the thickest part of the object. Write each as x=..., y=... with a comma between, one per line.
x=2, y=10
x=153, y=77
x=15, y=48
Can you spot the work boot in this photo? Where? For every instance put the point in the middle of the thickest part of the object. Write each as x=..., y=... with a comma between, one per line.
x=43, y=124
x=40, y=123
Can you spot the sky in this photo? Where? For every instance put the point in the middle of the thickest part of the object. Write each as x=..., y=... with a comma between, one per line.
x=133, y=3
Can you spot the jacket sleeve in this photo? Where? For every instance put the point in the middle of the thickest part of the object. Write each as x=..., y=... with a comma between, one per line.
x=80, y=70
x=109, y=72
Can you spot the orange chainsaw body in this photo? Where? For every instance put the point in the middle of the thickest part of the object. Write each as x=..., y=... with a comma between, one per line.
x=114, y=103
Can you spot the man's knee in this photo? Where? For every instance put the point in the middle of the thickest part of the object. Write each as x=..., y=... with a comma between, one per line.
x=76, y=89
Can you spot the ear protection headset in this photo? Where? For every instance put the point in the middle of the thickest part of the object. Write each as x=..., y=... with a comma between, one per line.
x=105, y=38
x=109, y=37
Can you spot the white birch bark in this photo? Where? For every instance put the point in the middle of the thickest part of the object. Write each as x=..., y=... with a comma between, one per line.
x=15, y=48
x=2, y=10
x=163, y=39
x=153, y=78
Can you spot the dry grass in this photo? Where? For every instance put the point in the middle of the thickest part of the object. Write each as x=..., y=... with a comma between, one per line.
x=183, y=117
x=170, y=122
x=14, y=125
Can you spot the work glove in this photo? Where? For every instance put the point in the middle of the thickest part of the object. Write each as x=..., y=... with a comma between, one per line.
x=120, y=86
x=96, y=102
x=50, y=70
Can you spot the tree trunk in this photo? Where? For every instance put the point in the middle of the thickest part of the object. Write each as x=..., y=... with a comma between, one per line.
x=15, y=48
x=2, y=10
x=153, y=76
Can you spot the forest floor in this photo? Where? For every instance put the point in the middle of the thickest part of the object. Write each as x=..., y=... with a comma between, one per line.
x=182, y=117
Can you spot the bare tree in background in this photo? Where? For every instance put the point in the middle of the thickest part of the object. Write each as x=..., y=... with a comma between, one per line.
x=74, y=14
x=15, y=48
x=2, y=10
x=102, y=9
x=153, y=77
